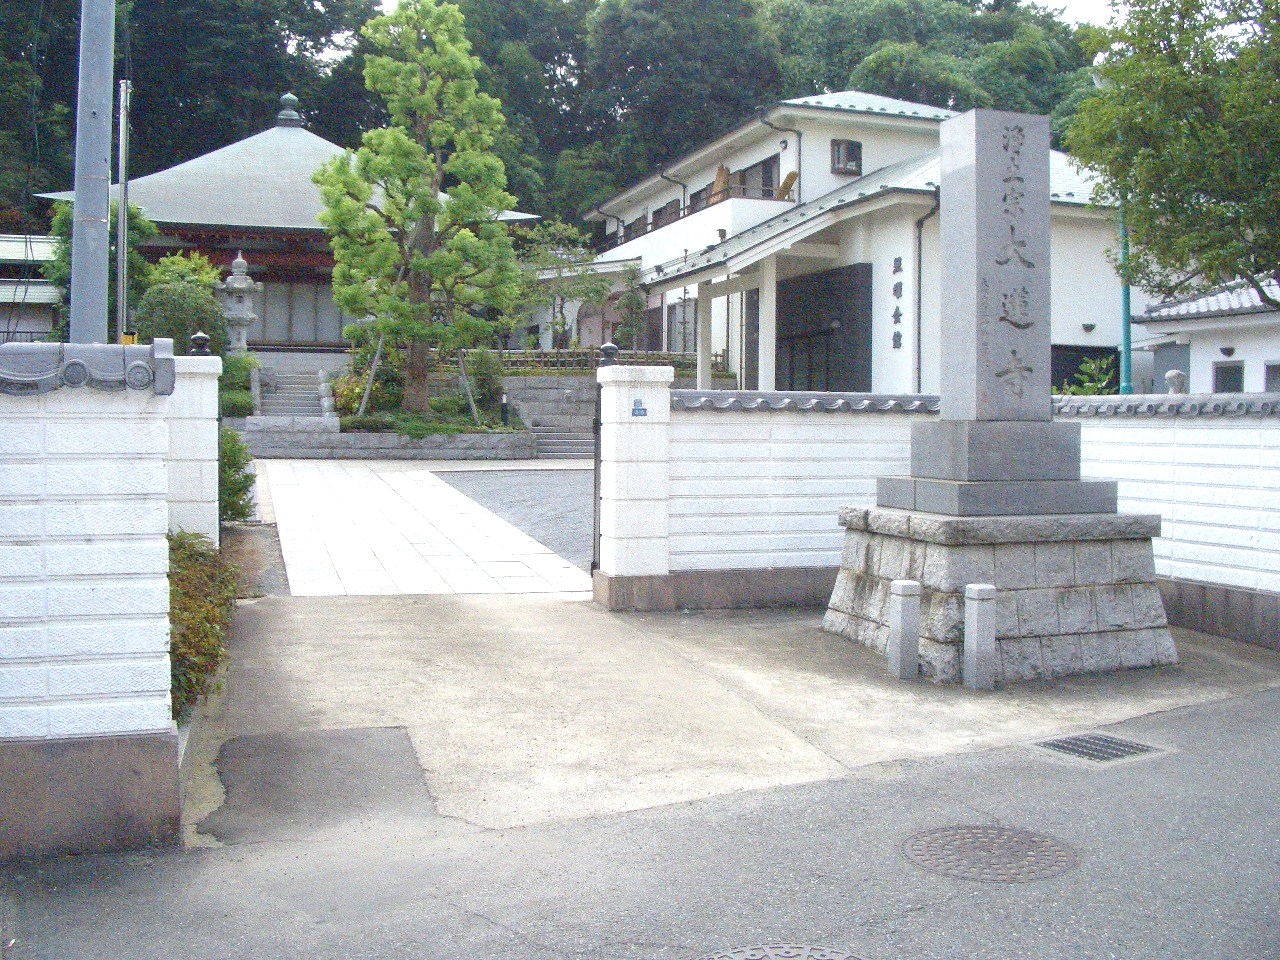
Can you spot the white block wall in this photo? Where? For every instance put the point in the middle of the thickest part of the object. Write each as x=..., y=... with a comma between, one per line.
x=84, y=596
x=758, y=489
x=1215, y=481
x=193, y=447
x=762, y=489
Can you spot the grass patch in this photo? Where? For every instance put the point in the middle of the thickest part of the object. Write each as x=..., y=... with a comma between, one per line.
x=202, y=596
x=449, y=416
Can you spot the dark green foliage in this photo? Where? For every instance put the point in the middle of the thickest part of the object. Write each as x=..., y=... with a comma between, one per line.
x=209, y=72
x=38, y=44
x=202, y=596
x=675, y=73
x=236, y=371
x=235, y=480
x=179, y=310
x=235, y=403
x=941, y=52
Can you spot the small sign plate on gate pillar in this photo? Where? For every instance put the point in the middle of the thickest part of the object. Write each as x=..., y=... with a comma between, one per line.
x=638, y=409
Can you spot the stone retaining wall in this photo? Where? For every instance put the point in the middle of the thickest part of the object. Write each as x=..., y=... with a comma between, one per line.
x=318, y=438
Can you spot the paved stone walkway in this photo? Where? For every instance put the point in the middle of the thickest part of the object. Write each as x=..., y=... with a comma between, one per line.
x=362, y=528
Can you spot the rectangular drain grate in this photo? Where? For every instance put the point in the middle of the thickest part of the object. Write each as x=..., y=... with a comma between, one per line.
x=1097, y=747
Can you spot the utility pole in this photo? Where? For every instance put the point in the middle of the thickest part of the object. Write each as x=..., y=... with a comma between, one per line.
x=90, y=227
x=122, y=216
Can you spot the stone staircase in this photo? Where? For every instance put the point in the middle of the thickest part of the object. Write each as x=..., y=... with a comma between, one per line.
x=295, y=395
x=558, y=411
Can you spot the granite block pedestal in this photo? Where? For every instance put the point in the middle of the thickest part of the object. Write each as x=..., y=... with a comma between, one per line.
x=1076, y=593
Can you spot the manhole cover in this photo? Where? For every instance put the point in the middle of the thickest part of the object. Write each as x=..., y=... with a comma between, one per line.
x=789, y=951
x=989, y=854
x=1097, y=747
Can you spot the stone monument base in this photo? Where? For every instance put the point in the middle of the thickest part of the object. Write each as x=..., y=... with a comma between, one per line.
x=1077, y=593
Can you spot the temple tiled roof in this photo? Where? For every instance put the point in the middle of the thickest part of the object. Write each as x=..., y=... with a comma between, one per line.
x=261, y=182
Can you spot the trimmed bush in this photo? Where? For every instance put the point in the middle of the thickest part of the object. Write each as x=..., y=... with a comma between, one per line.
x=235, y=403
x=202, y=596
x=236, y=370
x=235, y=481
x=179, y=310
x=485, y=370
x=369, y=423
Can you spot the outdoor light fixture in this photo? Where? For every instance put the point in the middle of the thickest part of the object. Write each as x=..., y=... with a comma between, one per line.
x=1227, y=351
x=1089, y=327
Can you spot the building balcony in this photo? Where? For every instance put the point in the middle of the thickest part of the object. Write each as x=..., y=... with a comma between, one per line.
x=665, y=236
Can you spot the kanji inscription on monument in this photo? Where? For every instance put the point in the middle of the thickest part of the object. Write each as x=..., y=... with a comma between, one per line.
x=995, y=234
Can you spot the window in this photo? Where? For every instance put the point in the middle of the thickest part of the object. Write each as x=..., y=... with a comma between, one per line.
x=1228, y=378
x=667, y=213
x=1271, y=381
x=846, y=157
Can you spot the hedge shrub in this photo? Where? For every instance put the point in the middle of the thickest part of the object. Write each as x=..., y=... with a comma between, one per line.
x=235, y=480
x=236, y=370
x=235, y=403
x=180, y=310
x=202, y=596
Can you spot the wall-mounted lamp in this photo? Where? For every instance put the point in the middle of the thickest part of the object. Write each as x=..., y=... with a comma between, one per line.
x=1089, y=327
x=1227, y=351
x=782, y=145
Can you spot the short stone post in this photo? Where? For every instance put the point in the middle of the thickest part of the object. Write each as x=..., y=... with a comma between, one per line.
x=980, y=636
x=903, y=651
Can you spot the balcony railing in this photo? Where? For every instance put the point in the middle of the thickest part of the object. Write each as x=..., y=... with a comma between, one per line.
x=663, y=217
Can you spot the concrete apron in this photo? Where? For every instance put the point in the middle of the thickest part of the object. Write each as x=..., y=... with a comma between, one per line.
x=527, y=709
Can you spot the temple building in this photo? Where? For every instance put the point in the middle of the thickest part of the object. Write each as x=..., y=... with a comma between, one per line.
x=256, y=196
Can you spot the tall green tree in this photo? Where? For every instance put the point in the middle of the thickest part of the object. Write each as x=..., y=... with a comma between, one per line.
x=413, y=214
x=675, y=73
x=1008, y=55
x=38, y=44
x=1184, y=134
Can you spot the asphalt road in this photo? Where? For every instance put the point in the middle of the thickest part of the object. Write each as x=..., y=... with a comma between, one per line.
x=369, y=747
x=552, y=506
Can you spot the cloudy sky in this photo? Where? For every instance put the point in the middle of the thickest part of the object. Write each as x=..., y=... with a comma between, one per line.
x=1082, y=11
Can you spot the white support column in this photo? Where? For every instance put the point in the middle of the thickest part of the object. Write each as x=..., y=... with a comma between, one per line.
x=705, y=331
x=193, y=446
x=768, y=274
x=635, y=418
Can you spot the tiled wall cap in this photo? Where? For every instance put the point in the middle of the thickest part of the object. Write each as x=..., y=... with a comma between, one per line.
x=1171, y=405
x=803, y=401
x=30, y=369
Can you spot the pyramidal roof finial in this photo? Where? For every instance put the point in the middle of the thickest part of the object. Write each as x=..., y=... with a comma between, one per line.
x=288, y=115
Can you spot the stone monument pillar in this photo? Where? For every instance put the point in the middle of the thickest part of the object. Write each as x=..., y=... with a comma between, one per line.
x=238, y=291
x=995, y=494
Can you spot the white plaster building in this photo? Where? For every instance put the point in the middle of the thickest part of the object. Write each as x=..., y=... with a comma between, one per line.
x=28, y=302
x=809, y=236
x=1227, y=341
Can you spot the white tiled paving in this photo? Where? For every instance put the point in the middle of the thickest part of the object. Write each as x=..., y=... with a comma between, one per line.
x=382, y=527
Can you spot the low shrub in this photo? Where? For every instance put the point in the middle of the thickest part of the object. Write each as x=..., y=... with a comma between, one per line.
x=369, y=423
x=202, y=596
x=450, y=405
x=235, y=403
x=180, y=310
x=485, y=369
x=235, y=480
x=388, y=391
x=236, y=370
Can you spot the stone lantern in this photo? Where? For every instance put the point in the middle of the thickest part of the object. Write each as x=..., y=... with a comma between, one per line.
x=237, y=293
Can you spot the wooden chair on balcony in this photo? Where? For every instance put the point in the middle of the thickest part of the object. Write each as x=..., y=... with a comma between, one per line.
x=786, y=186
